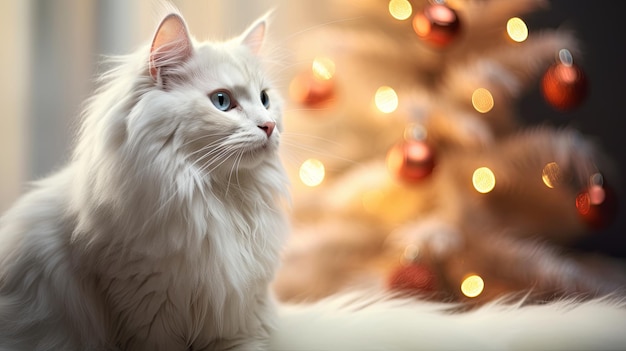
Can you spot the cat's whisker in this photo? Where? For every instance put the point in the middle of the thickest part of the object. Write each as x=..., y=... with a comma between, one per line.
x=213, y=149
x=309, y=109
x=289, y=159
x=211, y=144
x=300, y=136
x=237, y=170
x=186, y=143
x=234, y=169
x=313, y=152
x=228, y=152
x=211, y=152
x=295, y=35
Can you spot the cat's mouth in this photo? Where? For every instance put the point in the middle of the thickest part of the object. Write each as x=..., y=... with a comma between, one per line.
x=266, y=146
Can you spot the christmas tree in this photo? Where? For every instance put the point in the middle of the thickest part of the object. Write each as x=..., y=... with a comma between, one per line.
x=413, y=169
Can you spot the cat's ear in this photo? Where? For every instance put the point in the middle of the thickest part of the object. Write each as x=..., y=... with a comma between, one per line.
x=254, y=36
x=171, y=45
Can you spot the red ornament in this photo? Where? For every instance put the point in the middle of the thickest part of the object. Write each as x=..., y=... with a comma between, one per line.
x=309, y=90
x=597, y=206
x=413, y=278
x=411, y=160
x=564, y=86
x=437, y=24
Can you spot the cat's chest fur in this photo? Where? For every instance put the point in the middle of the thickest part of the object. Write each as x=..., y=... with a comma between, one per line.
x=202, y=264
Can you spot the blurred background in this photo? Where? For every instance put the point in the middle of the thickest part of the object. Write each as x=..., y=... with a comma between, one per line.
x=51, y=49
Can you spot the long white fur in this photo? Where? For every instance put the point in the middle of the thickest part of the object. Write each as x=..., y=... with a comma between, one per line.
x=164, y=230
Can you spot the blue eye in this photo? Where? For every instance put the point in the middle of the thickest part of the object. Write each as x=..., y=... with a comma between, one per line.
x=265, y=99
x=222, y=101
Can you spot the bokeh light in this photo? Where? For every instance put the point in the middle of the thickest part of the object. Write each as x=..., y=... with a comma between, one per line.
x=400, y=9
x=482, y=100
x=517, y=29
x=312, y=172
x=566, y=58
x=472, y=286
x=594, y=196
x=484, y=180
x=386, y=99
x=411, y=252
x=415, y=131
x=323, y=68
x=551, y=174
x=411, y=160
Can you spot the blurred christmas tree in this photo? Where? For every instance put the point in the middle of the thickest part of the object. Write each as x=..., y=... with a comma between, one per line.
x=412, y=170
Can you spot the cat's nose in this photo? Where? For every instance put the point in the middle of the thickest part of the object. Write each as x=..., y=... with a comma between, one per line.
x=268, y=128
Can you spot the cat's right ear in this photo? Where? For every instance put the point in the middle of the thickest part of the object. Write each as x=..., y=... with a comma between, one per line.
x=171, y=46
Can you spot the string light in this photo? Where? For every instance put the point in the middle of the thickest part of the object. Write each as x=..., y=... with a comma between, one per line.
x=312, y=172
x=472, y=286
x=400, y=9
x=314, y=87
x=517, y=29
x=411, y=253
x=483, y=180
x=566, y=58
x=551, y=174
x=564, y=84
x=482, y=100
x=386, y=99
x=594, y=196
x=323, y=68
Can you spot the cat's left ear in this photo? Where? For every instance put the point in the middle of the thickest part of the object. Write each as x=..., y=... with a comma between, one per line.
x=254, y=36
x=171, y=45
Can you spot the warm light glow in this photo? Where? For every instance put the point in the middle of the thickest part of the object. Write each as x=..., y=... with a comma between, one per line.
x=583, y=203
x=323, y=68
x=484, y=180
x=482, y=100
x=386, y=99
x=312, y=172
x=517, y=29
x=472, y=286
x=421, y=25
x=371, y=200
x=597, y=195
x=411, y=252
x=551, y=174
x=400, y=9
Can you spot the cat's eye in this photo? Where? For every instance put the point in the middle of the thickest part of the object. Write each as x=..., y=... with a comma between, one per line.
x=222, y=101
x=265, y=99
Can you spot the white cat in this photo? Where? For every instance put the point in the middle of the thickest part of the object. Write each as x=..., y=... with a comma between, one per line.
x=164, y=230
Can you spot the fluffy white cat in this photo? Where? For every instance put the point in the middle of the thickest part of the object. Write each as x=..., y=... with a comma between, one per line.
x=164, y=230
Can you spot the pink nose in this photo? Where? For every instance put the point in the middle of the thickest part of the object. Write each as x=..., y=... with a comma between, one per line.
x=268, y=128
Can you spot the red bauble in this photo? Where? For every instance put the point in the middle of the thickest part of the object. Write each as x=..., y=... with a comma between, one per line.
x=564, y=86
x=413, y=278
x=309, y=90
x=597, y=206
x=411, y=160
x=437, y=25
